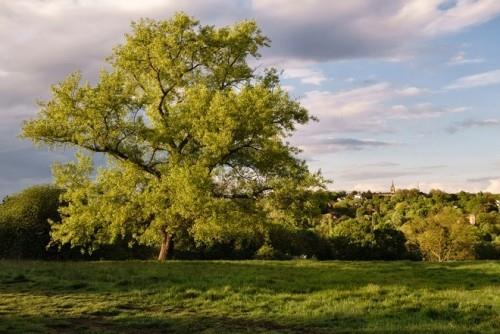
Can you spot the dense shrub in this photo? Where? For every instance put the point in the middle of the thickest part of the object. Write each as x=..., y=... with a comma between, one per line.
x=361, y=239
x=389, y=244
x=25, y=230
x=24, y=227
x=299, y=242
x=267, y=252
x=488, y=225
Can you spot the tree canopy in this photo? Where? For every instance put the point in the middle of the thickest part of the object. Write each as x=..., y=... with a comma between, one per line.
x=195, y=139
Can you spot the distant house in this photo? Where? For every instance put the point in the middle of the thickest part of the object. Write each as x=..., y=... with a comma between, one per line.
x=472, y=219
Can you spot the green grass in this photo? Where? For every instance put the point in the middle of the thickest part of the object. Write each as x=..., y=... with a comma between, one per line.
x=249, y=297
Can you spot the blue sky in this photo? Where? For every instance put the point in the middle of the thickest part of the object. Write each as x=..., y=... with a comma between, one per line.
x=441, y=131
x=405, y=90
x=450, y=141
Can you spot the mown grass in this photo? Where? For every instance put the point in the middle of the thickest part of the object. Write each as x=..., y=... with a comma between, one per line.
x=249, y=297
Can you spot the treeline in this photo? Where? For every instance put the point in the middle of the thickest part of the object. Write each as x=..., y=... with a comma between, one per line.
x=410, y=224
x=335, y=225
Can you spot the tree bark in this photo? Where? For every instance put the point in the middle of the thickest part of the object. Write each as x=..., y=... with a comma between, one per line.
x=165, y=246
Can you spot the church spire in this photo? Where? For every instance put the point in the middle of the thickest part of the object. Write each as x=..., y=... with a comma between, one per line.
x=393, y=187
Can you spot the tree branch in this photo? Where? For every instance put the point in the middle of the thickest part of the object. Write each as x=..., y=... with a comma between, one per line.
x=252, y=195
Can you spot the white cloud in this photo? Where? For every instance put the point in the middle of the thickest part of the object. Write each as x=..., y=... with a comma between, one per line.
x=493, y=186
x=133, y=6
x=348, y=102
x=333, y=29
x=411, y=91
x=476, y=80
x=463, y=14
x=367, y=108
x=321, y=30
x=415, y=16
x=473, y=123
x=321, y=145
x=306, y=75
x=461, y=59
x=422, y=110
x=288, y=88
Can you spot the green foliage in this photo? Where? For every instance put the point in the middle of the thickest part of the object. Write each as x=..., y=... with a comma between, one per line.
x=24, y=227
x=267, y=252
x=443, y=236
x=429, y=221
x=318, y=224
x=249, y=297
x=195, y=140
x=488, y=224
x=361, y=239
x=299, y=242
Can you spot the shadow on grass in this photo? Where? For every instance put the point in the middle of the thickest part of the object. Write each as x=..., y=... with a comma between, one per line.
x=279, y=277
x=214, y=324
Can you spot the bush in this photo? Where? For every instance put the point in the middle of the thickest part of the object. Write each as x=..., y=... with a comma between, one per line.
x=488, y=225
x=24, y=227
x=389, y=244
x=488, y=250
x=360, y=239
x=25, y=230
x=296, y=242
x=267, y=252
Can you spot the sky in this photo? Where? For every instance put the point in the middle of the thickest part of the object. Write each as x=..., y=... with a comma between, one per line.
x=404, y=90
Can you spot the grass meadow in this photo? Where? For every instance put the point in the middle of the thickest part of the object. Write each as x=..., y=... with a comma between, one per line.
x=249, y=297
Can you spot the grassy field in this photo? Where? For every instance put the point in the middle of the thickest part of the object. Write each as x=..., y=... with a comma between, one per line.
x=249, y=297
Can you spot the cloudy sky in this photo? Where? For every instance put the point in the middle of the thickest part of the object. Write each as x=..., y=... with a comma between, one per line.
x=405, y=90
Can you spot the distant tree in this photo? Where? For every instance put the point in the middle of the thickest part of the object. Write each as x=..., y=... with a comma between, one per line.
x=443, y=236
x=195, y=139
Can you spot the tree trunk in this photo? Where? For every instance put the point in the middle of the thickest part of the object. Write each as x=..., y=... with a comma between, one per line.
x=165, y=246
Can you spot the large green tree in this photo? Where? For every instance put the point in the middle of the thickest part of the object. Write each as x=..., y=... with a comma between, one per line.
x=195, y=139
